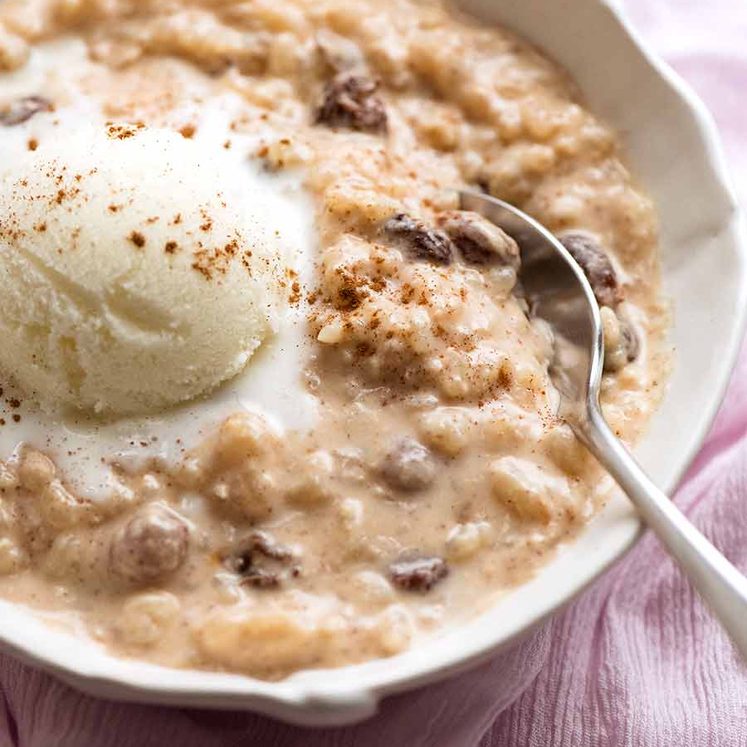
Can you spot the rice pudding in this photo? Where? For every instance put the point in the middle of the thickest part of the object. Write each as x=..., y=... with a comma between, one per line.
x=302, y=417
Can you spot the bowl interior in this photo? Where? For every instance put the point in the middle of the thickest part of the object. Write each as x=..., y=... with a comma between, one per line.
x=670, y=144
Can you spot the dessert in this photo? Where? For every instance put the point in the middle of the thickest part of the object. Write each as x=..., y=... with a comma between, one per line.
x=336, y=437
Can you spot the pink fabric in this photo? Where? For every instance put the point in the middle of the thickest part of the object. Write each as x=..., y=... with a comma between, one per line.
x=635, y=661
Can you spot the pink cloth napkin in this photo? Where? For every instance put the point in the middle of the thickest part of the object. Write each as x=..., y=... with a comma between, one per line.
x=636, y=661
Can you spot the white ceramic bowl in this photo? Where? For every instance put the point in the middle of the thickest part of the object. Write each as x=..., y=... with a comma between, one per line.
x=672, y=145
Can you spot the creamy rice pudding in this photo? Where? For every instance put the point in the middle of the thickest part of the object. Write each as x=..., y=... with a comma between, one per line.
x=271, y=401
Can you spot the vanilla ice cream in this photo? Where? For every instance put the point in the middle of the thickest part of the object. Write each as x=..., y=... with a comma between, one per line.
x=138, y=268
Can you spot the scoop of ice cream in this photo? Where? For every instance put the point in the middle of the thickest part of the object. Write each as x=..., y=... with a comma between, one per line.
x=138, y=268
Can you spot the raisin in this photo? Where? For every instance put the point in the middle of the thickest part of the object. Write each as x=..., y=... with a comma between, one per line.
x=630, y=340
x=150, y=546
x=420, y=241
x=409, y=466
x=21, y=110
x=597, y=267
x=261, y=561
x=621, y=343
x=418, y=574
x=478, y=240
x=349, y=101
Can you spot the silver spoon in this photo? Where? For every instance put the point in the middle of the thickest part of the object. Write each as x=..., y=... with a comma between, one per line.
x=559, y=293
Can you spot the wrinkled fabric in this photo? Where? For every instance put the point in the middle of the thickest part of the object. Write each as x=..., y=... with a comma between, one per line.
x=635, y=661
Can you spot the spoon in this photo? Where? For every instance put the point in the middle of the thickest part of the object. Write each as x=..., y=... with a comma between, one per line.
x=559, y=293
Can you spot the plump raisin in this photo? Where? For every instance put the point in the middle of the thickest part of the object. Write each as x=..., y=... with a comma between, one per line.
x=478, y=240
x=597, y=267
x=350, y=101
x=261, y=561
x=150, y=546
x=409, y=466
x=418, y=574
x=419, y=240
x=21, y=110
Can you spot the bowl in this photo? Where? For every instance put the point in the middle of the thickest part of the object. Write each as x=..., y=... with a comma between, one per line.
x=672, y=145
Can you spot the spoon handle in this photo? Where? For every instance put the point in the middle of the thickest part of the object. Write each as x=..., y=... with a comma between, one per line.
x=720, y=584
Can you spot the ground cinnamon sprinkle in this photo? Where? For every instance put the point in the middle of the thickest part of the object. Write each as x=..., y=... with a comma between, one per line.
x=349, y=297
x=188, y=131
x=408, y=293
x=122, y=132
x=33, y=144
x=208, y=262
x=137, y=239
x=505, y=377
